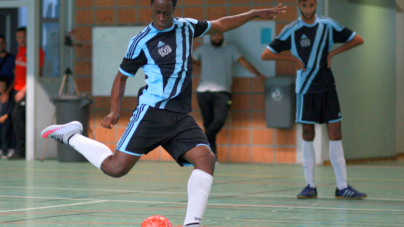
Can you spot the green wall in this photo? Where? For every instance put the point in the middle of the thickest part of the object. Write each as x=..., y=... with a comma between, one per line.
x=366, y=79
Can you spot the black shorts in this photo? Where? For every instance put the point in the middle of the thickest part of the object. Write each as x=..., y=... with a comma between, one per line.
x=318, y=108
x=149, y=128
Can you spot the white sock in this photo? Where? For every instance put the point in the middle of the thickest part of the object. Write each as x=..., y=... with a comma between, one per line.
x=95, y=152
x=309, y=160
x=199, y=185
x=338, y=162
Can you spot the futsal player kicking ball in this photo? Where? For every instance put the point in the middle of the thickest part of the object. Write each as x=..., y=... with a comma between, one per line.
x=163, y=50
x=310, y=39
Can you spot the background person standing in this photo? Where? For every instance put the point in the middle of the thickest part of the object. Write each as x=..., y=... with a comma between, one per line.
x=217, y=60
x=20, y=81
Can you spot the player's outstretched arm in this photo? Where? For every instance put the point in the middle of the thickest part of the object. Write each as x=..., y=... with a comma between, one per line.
x=225, y=24
x=118, y=89
x=356, y=41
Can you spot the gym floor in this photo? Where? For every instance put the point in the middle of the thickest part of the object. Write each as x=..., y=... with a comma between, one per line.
x=54, y=193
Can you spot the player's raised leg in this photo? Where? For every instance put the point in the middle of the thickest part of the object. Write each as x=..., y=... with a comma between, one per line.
x=199, y=183
x=113, y=164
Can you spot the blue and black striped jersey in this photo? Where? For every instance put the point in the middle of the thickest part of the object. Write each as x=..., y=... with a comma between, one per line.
x=166, y=58
x=311, y=43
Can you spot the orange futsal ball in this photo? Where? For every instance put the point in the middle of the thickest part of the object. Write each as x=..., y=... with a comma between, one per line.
x=156, y=221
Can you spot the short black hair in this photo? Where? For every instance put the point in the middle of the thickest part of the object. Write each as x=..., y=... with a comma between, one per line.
x=22, y=29
x=173, y=1
x=2, y=37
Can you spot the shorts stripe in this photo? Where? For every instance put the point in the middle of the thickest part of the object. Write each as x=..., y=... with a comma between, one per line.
x=336, y=120
x=131, y=128
x=299, y=108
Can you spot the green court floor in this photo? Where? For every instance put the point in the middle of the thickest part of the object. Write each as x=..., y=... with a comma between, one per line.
x=77, y=194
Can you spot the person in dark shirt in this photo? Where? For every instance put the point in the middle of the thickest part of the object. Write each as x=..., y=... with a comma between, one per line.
x=6, y=107
x=7, y=63
x=163, y=50
x=310, y=39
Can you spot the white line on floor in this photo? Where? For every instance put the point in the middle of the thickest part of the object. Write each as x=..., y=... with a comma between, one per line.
x=184, y=203
x=38, y=208
x=184, y=193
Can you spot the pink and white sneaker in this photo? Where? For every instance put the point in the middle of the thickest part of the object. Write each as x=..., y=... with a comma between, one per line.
x=62, y=133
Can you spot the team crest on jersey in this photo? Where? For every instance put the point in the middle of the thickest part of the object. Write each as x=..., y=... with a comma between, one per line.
x=164, y=49
x=305, y=41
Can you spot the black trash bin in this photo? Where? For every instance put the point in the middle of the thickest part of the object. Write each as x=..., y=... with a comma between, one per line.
x=280, y=102
x=71, y=108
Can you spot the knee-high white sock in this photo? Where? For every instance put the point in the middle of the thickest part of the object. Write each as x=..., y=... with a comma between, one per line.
x=95, y=152
x=338, y=162
x=309, y=160
x=199, y=185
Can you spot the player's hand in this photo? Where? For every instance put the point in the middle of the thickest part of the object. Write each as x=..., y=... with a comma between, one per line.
x=3, y=118
x=110, y=120
x=269, y=13
x=329, y=61
x=300, y=64
x=19, y=96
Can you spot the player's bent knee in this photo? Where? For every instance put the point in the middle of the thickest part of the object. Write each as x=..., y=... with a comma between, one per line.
x=118, y=165
x=116, y=172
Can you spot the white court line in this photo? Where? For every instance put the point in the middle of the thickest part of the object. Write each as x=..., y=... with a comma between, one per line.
x=209, y=204
x=38, y=208
x=184, y=193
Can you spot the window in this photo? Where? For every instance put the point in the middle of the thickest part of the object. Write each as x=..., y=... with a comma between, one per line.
x=51, y=37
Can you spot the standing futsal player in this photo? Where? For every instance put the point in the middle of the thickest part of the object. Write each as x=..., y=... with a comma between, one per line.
x=163, y=50
x=310, y=39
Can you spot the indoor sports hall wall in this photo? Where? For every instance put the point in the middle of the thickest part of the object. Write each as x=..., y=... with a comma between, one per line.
x=245, y=137
x=366, y=78
x=400, y=78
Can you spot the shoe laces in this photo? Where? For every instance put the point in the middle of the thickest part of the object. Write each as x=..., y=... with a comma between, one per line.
x=57, y=137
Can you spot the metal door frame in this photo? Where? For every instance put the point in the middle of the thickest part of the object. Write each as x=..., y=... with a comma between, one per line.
x=32, y=67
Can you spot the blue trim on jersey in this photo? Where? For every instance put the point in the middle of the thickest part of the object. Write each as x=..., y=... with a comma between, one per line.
x=132, y=46
x=299, y=107
x=164, y=30
x=351, y=37
x=318, y=56
x=311, y=61
x=310, y=25
x=173, y=78
x=131, y=128
x=293, y=48
x=209, y=26
x=285, y=33
x=184, y=69
x=339, y=27
x=272, y=50
x=125, y=73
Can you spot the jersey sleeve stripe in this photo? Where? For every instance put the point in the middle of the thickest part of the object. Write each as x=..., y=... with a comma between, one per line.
x=125, y=73
x=351, y=37
x=272, y=50
x=287, y=29
x=207, y=29
x=334, y=23
x=135, y=42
